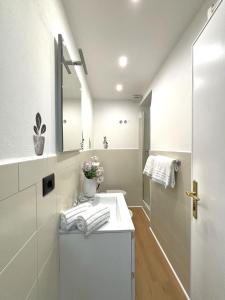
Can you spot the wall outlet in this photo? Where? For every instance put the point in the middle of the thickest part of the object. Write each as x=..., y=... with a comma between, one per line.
x=48, y=184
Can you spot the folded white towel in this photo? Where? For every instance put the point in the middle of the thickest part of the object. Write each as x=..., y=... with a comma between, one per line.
x=68, y=217
x=161, y=169
x=93, y=218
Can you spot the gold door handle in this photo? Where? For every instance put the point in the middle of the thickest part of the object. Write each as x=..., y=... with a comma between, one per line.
x=191, y=194
x=194, y=196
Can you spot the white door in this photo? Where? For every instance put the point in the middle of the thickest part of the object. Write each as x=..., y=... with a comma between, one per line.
x=208, y=231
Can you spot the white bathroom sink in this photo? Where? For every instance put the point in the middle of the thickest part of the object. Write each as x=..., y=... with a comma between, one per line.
x=120, y=219
x=89, y=265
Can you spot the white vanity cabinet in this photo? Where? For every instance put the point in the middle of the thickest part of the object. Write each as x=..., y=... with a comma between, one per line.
x=101, y=266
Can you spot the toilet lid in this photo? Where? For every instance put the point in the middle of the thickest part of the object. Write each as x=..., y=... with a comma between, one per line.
x=116, y=191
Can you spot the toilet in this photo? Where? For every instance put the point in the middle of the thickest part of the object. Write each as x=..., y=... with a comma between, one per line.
x=124, y=194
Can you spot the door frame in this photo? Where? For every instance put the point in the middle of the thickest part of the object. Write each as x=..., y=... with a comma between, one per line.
x=146, y=102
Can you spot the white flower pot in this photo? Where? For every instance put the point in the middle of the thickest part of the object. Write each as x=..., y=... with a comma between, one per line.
x=90, y=186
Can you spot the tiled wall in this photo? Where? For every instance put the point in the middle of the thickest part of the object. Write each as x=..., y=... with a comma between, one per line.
x=122, y=171
x=171, y=217
x=29, y=261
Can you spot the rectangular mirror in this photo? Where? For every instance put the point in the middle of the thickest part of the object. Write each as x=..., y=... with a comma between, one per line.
x=68, y=106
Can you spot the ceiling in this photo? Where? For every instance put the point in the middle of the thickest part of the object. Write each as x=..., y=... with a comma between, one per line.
x=144, y=31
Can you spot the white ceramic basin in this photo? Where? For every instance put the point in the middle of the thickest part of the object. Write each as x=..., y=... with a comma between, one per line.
x=120, y=219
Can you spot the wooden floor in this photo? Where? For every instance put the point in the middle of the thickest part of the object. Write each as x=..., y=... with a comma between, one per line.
x=154, y=278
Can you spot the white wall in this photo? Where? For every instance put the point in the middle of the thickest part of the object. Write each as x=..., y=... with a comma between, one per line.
x=171, y=110
x=27, y=85
x=53, y=15
x=27, y=73
x=171, y=133
x=106, y=123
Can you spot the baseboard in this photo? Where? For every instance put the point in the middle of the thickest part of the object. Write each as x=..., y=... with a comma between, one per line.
x=130, y=206
x=142, y=209
x=146, y=205
x=147, y=216
x=146, y=209
x=170, y=265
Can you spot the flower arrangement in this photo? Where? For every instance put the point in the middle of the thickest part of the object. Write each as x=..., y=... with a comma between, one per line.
x=93, y=170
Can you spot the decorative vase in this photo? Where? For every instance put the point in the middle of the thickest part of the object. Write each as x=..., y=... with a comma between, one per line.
x=105, y=143
x=39, y=143
x=90, y=186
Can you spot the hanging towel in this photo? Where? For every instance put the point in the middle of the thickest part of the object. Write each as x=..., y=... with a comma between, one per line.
x=68, y=217
x=90, y=220
x=161, y=169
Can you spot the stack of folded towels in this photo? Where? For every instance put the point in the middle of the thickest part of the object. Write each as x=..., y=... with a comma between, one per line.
x=68, y=217
x=85, y=217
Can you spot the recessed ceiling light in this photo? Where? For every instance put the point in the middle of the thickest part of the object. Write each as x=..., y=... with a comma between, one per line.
x=123, y=61
x=135, y=1
x=119, y=87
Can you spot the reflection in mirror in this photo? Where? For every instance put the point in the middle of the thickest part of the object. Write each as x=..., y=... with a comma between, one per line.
x=71, y=108
x=69, y=126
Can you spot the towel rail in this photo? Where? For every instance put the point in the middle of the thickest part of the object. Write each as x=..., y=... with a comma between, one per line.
x=162, y=169
x=178, y=162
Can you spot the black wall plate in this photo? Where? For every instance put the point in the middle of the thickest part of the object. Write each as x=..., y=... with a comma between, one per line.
x=48, y=184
